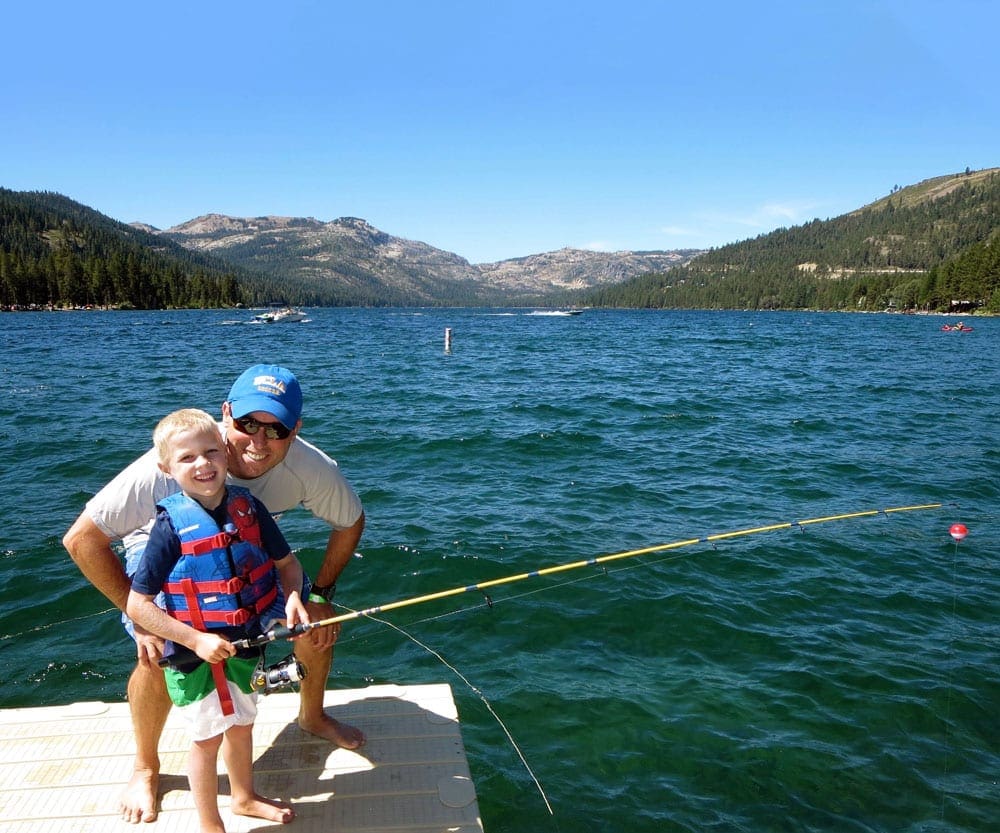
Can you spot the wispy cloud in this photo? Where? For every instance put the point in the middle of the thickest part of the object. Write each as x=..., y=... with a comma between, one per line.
x=599, y=246
x=770, y=214
x=679, y=231
x=713, y=228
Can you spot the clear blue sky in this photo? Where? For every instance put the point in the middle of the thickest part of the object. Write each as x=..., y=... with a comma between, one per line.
x=498, y=129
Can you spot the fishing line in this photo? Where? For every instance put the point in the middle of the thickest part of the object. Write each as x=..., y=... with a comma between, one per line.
x=958, y=533
x=475, y=691
x=60, y=623
x=369, y=612
x=489, y=604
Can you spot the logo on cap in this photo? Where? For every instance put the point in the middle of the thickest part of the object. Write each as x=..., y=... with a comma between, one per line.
x=269, y=384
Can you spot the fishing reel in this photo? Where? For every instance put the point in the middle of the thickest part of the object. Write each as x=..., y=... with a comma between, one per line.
x=280, y=675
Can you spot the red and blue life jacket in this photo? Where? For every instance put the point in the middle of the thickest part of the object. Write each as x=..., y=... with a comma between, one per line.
x=223, y=578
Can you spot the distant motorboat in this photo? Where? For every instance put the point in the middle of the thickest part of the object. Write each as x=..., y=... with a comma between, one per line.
x=556, y=312
x=280, y=315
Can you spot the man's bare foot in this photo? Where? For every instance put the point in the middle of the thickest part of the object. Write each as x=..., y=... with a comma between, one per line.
x=263, y=808
x=334, y=731
x=138, y=799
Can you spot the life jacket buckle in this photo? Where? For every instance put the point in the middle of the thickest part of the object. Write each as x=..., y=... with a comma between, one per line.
x=233, y=585
x=238, y=617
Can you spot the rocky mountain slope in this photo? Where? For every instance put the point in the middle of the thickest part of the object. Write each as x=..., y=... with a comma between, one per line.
x=347, y=260
x=575, y=269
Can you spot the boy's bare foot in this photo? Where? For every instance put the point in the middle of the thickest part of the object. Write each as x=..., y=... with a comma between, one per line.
x=138, y=799
x=333, y=731
x=263, y=808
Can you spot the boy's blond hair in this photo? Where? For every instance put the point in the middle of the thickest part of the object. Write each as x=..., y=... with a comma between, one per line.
x=186, y=419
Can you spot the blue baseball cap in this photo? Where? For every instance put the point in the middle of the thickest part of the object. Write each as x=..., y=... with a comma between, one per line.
x=268, y=388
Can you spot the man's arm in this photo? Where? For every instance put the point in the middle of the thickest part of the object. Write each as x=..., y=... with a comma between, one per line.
x=340, y=549
x=91, y=551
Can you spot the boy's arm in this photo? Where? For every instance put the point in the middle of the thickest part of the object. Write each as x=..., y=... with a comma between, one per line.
x=142, y=610
x=290, y=578
x=288, y=567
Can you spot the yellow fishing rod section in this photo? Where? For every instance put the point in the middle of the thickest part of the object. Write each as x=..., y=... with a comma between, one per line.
x=283, y=632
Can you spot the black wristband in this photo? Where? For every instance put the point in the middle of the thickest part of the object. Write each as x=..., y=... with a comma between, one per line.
x=326, y=592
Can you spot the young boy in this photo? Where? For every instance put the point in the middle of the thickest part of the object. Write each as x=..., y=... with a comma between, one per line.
x=225, y=572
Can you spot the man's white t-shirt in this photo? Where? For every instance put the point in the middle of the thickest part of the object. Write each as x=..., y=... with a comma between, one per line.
x=125, y=508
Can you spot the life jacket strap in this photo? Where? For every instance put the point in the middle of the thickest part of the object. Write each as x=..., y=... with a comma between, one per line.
x=218, y=670
x=222, y=686
x=229, y=586
x=202, y=546
x=223, y=617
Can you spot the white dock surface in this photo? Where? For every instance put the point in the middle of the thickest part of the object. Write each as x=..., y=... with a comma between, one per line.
x=62, y=768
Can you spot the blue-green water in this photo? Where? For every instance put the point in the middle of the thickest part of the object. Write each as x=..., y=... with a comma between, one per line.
x=839, y=678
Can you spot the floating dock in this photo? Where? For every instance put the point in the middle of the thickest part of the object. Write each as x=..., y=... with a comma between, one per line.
x=62, y=768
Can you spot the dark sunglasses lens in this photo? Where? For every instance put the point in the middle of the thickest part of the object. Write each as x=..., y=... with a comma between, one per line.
x=247, y=425
x=272, y=430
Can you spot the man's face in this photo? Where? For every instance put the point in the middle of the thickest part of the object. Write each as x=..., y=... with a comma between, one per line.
x=253, y=454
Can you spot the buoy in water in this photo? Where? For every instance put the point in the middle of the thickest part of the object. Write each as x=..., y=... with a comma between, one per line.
x=958, y=531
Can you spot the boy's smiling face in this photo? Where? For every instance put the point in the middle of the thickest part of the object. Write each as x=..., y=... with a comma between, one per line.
x=197, y=461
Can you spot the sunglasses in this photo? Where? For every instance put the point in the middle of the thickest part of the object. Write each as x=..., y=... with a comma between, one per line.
x=272, y=430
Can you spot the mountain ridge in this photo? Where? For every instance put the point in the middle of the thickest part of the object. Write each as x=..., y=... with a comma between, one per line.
x=351, y=257
x=925, y=246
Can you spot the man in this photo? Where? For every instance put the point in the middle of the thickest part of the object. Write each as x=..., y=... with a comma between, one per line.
x=260, y=425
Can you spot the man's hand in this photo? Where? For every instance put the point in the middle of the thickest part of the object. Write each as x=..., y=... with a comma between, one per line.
x=322, y=639
x=148, y=646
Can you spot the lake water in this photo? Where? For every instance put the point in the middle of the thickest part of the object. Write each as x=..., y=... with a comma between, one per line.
x=839, y=677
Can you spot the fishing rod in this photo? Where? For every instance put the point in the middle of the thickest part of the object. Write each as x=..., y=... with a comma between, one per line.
x=284, y=632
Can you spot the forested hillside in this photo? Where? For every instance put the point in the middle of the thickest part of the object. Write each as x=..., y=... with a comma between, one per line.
x=56, y=252
x=921, y=248
x=930, y=246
